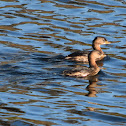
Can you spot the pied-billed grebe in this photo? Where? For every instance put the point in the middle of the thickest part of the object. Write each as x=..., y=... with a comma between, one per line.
x=92, y=70
x=82, y=56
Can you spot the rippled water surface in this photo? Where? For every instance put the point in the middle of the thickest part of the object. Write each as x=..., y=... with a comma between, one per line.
x=35, y=35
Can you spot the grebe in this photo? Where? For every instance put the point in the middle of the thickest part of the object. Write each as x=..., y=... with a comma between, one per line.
x=92, y=70
x=82, y=56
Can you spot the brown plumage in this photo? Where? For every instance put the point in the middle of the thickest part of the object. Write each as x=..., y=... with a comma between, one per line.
x=92, y=70
x=82, y=56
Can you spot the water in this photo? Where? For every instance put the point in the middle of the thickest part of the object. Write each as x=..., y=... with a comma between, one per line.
x=35, y=35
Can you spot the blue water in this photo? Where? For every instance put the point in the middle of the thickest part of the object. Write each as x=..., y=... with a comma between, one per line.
x=34, y=38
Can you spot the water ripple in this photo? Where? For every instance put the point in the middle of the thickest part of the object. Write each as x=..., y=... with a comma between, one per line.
x=35, y=36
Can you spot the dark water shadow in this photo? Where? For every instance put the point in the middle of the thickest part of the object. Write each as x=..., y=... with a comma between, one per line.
x=109, y=116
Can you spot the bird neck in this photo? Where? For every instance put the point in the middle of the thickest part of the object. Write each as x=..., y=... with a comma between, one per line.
x=92, y=63
x=97, y=47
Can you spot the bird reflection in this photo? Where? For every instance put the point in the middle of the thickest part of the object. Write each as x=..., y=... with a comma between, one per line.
x=92, y=87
